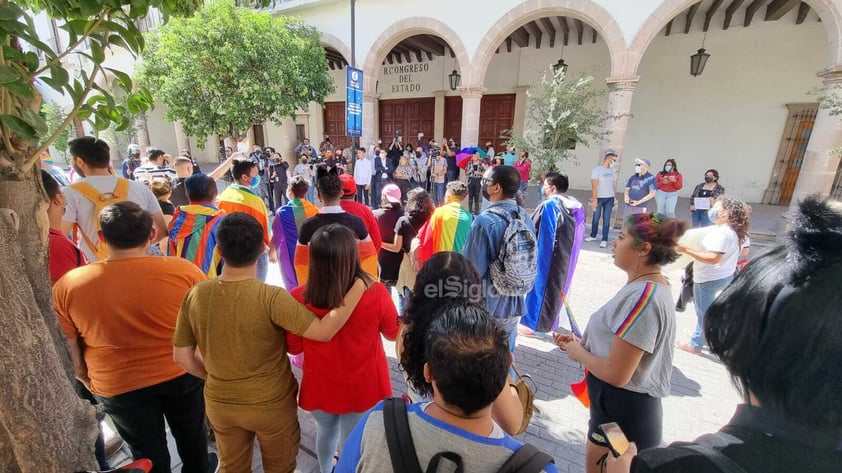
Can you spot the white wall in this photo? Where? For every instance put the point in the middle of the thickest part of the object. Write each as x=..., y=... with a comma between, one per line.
x=730, y=118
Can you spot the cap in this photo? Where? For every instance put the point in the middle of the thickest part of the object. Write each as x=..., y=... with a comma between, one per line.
x=349, y=186
x=392, y=193
x=610, y=152
x=642, y=161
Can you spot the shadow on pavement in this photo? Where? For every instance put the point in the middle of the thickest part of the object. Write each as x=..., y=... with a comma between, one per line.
x=681, y=385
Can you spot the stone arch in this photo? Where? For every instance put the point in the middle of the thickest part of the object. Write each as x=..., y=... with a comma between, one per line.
x=337, y=44
x=586, y=10
x=403, y=29
x=828, y=11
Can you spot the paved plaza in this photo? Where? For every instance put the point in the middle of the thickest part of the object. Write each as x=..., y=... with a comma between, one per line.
x=701, y=400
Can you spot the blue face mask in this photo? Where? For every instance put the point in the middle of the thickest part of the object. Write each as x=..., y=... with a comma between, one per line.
x=668, y=168
x=713, y=215
x=254, y=181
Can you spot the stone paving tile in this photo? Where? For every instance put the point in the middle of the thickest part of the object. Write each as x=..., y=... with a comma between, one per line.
x=702, y=397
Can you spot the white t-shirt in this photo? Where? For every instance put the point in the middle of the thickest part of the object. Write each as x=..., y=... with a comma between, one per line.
x=80, y=210
x=606, y=177
x=722, y=239
x=362, y=172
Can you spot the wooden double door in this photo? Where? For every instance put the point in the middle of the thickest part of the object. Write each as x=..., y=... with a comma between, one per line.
x=407, y=118
x=334, y=123
x=497, y=114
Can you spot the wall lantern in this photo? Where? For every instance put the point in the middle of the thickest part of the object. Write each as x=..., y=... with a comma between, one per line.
x=698, y=60
x=560, y=65
x=455, y=79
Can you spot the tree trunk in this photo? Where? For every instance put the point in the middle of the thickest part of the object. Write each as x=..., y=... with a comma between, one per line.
x=142, y=130
x=44, y=426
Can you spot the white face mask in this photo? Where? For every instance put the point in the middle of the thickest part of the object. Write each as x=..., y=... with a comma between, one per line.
x=612, y=164
x=637, y=169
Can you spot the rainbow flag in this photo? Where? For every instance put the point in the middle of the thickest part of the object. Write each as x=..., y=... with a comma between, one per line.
x=447, y=230
x=192, y=236
x=580, y=390
x=288, y=220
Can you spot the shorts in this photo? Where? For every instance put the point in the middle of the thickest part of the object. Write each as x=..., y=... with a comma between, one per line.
x=639, y=415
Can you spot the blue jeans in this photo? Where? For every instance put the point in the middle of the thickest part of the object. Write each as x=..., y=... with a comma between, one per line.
x=510, y=326
x=700, y=218
x=604, y=207
x=438, y=193
x=311, y=192
x=139, y=418
x=263, y=266
x=451, y=176
x=331, y=432
x=666, y=202
x=704, y=294
x=523, y=186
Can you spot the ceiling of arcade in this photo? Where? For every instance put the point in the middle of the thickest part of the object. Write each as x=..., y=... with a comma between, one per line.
x=556, y=30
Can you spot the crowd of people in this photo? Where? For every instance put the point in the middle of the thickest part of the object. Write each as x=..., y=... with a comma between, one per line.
x=201, y=335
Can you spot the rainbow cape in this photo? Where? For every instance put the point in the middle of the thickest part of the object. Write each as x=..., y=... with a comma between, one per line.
x=288, y=220
x=447, y=230
x=192, y=236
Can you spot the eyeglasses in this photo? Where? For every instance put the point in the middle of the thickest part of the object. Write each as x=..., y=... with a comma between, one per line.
x=487, y=182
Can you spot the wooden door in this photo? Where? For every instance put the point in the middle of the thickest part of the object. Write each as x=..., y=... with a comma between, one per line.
x=334, y=124
x=452, y=118
x=497, y=114
x=791, y=152
x=407, y=117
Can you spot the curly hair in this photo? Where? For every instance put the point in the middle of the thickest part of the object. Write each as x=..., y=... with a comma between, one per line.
x=419, y=207
x=738, y=214
x=660, y=232
x=445, y=278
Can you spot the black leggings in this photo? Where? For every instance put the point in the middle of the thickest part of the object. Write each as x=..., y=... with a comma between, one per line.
x=474, y=195
x=639, y=415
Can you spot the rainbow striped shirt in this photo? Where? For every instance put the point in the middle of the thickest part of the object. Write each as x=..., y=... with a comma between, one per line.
x=192, y=236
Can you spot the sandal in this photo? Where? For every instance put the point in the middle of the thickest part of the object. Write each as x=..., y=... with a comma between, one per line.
x=688, y=348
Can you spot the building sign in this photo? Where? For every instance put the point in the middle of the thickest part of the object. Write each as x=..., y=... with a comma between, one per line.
x=354, y=102
x=406, y=80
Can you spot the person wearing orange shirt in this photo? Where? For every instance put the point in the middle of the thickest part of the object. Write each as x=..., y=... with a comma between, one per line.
x=120, y=340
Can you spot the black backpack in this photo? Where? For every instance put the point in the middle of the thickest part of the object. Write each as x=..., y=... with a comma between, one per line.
x=528, y=459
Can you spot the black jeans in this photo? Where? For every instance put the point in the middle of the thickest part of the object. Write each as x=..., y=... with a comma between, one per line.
x=362, y=195
x=474, y=195
x=139, y=418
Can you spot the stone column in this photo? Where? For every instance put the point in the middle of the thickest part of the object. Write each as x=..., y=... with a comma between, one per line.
x=621, y=90
x=288, y=141
x=521, y=99
x=371, y=119
x=471, y=101
x=182, y=142
x=438, y=117
x=818, y=169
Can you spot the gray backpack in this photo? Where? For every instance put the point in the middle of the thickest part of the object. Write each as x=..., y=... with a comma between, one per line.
x=513, y=272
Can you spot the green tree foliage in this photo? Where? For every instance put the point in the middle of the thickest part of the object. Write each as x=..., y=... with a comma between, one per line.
x=561, y=114
x=229, y=67
x=54, y=117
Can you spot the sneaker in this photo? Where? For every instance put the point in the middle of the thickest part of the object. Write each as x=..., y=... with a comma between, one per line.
x=590, y=239
x=603, y=244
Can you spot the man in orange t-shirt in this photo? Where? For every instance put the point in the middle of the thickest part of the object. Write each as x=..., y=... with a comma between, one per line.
x=119, y=316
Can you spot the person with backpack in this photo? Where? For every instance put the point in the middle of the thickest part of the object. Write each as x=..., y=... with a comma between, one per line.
x=98, y=189
x=467, y=365
x=627, y=347
x=502, y=246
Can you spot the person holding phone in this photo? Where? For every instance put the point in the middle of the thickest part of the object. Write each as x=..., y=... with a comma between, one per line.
x=627, y=347
x=776, y=329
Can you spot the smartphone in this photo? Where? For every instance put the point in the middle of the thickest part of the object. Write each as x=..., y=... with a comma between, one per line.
x=615, y=438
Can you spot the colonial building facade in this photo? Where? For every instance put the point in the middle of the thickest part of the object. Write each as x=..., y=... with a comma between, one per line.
x=752, y=113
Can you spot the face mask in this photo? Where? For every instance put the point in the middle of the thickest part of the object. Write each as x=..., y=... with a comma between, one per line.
x=708, y=179
x=668, y=168
x=254, y=181
x=637, y=169
x=612, y=164
x=713, y=215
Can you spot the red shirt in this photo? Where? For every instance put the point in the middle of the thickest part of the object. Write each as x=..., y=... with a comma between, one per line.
x=666, y=184
x=365, y=213
x=523, y=167
x=349, y=373
x=64, y=255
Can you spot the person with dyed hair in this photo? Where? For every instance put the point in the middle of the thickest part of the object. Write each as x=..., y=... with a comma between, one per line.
x=776, y=328
x=627, y=347
x=192, y=231
x=287, y=224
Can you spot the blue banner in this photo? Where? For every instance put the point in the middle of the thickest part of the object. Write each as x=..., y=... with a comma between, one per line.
x=354, y=103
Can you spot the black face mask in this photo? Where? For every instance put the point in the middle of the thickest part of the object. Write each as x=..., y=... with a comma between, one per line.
x=708, y=179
